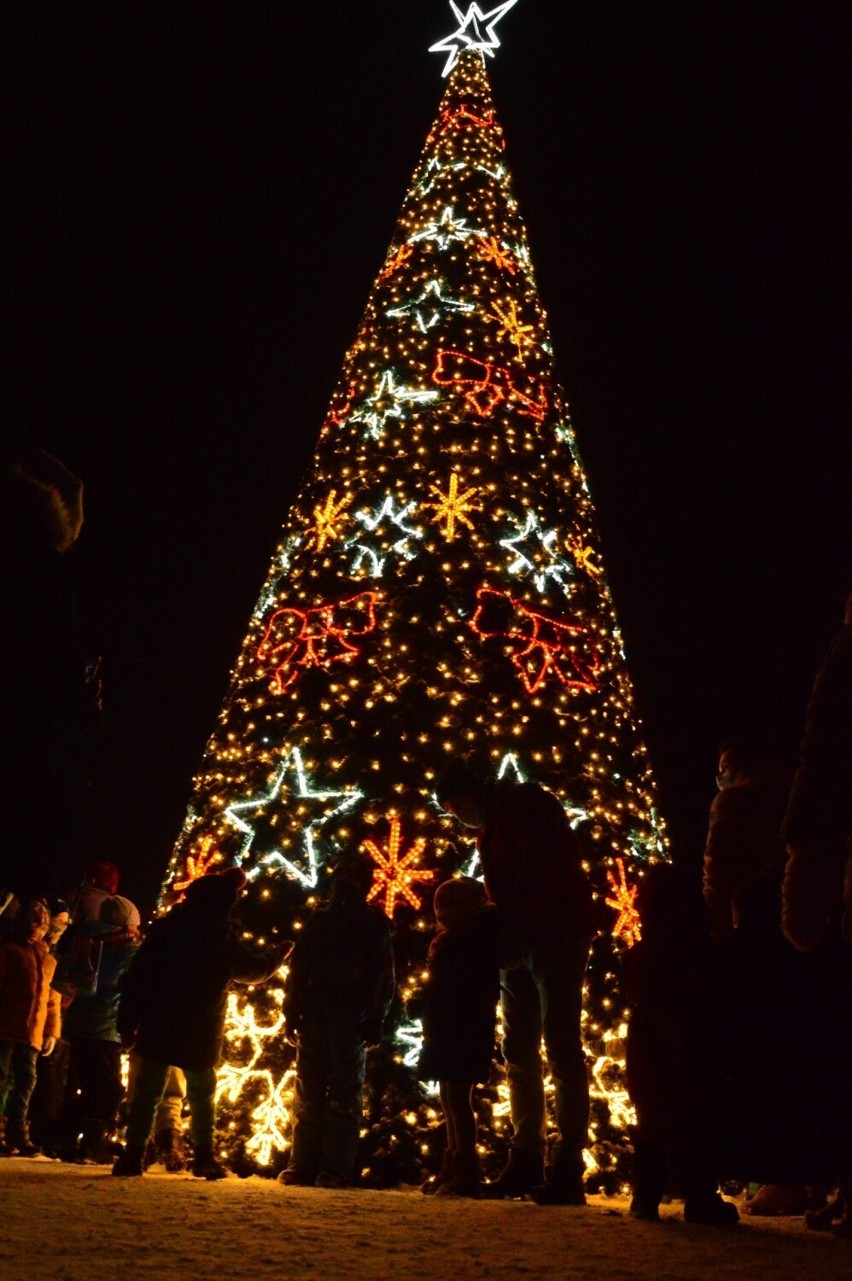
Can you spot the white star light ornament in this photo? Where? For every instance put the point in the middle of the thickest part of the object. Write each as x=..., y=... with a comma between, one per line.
x=475, y=31
x=330, y=804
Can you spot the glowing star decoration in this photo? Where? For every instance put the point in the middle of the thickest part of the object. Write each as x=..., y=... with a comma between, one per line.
x=534, y=554
x=491, y=250
x=510, y=762
x=387, y=517
x=296, y=639
x=326, y=803
x=475, y=31
x=327, y=518
x=523, y=336
x=395, y=872
x=431, y=306
x=452, y=508
x=628, y=925
x=410, y=1037
x=431, y=173
x=446, y=230
x=248, y=1042
x=197, y=866
x=388, y=401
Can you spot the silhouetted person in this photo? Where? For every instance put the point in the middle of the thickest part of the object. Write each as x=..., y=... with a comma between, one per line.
x=339, y=990
x=532, y=861
x=817, y=893
x=459, y=1013
x=674, y=1065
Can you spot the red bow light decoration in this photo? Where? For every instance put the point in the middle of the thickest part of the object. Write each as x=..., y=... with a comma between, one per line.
x=485, y=386
x=315, y=637
x=540, y=646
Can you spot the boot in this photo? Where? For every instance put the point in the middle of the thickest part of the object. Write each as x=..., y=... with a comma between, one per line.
x=563, y=1185
x=5, y=1150
x=522, y=1172
x=712, y=1210
x=205, y=1165
x=443, y=1176
x=168, y=1145
x=18, y=1139
x=95, y=1147
x=129, y=1162
x=293, y=1177
x=465, y=1179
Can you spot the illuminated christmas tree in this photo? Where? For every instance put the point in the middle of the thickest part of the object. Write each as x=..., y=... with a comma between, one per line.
x=437, y=592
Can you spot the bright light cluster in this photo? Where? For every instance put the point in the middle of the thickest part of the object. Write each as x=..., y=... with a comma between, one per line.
x=438, y=592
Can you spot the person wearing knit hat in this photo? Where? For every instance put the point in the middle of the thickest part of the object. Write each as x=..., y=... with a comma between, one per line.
x=173, y=1007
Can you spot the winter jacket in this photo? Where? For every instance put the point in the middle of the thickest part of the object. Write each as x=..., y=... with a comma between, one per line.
x=94, y=1016
x=174, y=997
x=29, y=1010
x=818, y=824
x=460, y=1001
x=532, y=861
x=342, y=967
x=744, y=854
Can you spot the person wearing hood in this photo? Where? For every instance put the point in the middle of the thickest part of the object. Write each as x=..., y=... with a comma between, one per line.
x=94, y=1088
x=172, y=1011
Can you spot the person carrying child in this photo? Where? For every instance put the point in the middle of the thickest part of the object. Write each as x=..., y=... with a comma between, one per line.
x=339, y=990
x=459, y=1016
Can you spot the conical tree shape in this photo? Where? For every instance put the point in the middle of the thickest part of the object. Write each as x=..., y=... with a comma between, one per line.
x=438, y=591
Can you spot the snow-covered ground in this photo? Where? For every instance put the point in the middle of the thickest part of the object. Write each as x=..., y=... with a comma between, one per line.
x=77, y=1223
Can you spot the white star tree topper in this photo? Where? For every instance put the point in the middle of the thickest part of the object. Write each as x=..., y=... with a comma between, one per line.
x=470, y=33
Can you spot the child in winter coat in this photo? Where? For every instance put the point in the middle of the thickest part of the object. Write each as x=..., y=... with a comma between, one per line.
x=29, y=1022
x=459, y=1014
x=173, y=1006
x=339, y=991
x=94, y=1088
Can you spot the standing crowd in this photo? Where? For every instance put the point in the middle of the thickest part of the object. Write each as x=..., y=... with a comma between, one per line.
x=738, y=988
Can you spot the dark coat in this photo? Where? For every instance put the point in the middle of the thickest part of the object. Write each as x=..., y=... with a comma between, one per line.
x=532, y=862
x=174, y=997
x=342, y=967
x=744, y=854
x=460, y=1003
x=818, y=825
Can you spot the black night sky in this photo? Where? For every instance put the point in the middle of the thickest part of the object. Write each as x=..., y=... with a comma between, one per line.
x=201, y=196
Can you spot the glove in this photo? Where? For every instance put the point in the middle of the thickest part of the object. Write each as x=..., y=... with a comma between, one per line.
x=48, y=1047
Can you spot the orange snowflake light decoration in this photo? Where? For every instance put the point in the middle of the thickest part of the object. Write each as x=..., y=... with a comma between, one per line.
x=198, y=866
x=628, y=925
x=327, y=527
x=453, y=507
x=394, y=875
